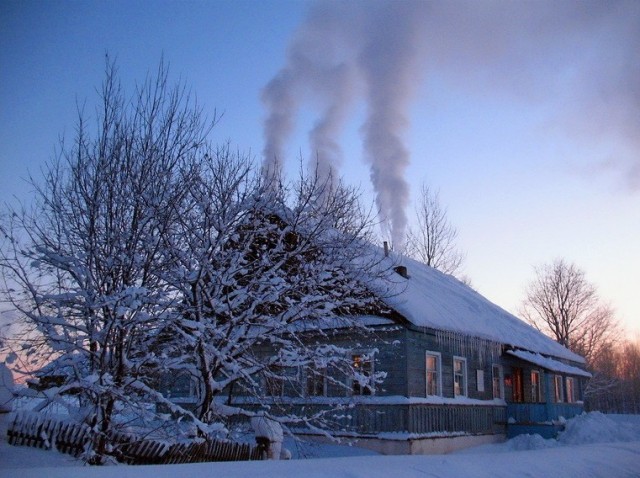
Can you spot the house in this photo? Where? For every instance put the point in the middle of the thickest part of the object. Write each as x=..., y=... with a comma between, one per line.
x=460, y=371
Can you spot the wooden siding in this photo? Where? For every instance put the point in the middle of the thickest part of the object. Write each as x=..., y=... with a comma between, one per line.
x=389, y=342
x=391, y=358
x=400, y=354
x=418, y=342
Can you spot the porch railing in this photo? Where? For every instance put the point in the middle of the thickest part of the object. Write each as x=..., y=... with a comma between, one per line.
x=426, y=418
x=419, y=419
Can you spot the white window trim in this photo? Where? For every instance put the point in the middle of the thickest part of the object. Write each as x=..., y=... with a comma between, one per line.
x=500, y=380
x=438, y=357
x=465, y=376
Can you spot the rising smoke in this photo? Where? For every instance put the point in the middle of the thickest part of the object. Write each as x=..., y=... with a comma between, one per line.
x=581, y=57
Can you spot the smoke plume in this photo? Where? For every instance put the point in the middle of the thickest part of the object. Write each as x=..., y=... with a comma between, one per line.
x=580, y=58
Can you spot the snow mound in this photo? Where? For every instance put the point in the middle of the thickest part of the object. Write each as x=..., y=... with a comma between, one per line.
x=585, y=429
x=529, y=442
x=520, y=443
x=596, y=427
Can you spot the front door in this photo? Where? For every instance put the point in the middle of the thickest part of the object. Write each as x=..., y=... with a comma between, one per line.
x=518, y=385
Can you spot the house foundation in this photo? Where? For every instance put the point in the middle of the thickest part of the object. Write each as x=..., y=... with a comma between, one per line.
x=434, y=445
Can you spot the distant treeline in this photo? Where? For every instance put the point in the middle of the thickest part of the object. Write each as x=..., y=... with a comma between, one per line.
x=615, y=387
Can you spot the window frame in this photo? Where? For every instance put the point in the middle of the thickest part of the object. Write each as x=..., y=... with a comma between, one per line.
x=517, y=385
x=313, y=377
x=463, y=374
x=558, y=388
x=355, y=389
x=536, y=386
x=274, y=385
x=438, y=373
x=285, y=381
x=570, y=390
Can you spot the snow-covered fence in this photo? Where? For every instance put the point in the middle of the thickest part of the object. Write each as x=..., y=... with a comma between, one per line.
x=40, y=431
x=132, y=451
x=150, y=452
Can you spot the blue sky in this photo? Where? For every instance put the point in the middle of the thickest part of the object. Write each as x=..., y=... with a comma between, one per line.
x=530, y=144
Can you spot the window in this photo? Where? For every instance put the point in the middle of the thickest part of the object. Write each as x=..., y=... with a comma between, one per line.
x=180, y=384
x=282, y=381
x=571, y=390
x=518, y=385
x=559, y=389
x=459, y=376
x=498, y=384
x=316, y=381
x=362, y=383
x=433, y=363
x=536, y=392
x=274, y=381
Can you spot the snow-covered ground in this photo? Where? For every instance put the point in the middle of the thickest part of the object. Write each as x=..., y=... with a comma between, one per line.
x=593, y=445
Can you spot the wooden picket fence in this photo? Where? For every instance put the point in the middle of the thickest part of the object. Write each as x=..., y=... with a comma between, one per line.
x=36, y=430
x=149, y=452
x=39, y=431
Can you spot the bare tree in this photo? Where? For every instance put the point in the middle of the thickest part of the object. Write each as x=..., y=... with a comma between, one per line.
x=434, y=240
x=259, y=263
x=83, y=266
x=561, y=302
x=629, y=374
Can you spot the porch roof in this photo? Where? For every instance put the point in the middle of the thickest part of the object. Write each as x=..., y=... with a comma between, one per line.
x=549, y=363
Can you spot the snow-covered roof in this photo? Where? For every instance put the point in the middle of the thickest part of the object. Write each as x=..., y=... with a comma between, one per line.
x=548, y=363
x=429, y=298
